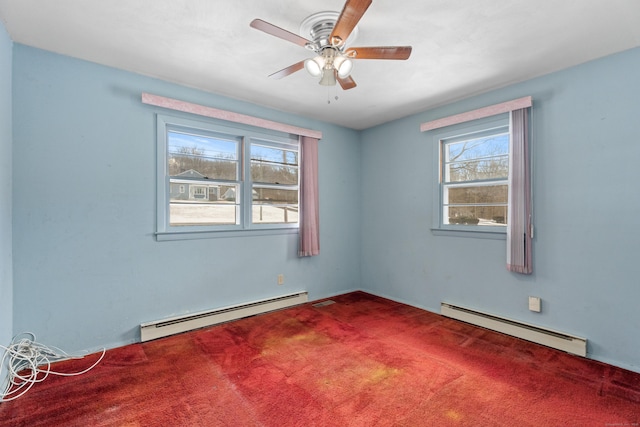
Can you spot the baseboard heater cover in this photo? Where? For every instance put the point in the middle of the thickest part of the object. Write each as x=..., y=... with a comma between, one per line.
x=547, y=337
x=175, y=325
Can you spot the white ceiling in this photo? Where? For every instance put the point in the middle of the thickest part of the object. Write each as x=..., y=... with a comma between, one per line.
x=460, y=47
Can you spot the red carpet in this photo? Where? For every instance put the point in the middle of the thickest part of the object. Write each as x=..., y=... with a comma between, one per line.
x=363, y=361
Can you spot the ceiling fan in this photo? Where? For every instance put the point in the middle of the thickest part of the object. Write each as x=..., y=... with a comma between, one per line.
x=330, y=32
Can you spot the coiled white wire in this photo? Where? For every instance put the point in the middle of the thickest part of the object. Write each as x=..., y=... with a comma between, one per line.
x=28, y=362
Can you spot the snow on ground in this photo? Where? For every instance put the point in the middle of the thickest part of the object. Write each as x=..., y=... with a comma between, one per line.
x=203, y=214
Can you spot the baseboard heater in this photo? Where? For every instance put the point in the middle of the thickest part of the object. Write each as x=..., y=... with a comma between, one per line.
x=189, y=322
x=554, y=339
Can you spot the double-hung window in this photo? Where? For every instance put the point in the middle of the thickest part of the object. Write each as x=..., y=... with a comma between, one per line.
x=473, y=181
x=217, y=178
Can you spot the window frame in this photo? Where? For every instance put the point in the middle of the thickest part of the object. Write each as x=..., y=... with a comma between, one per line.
x=245, y=135
x=477, y=128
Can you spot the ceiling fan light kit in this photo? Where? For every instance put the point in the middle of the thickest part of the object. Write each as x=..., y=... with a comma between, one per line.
x=330, y=61
x=330, y=33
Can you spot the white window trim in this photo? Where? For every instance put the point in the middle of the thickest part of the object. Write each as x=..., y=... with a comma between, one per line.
x=164, y=231
x=478, y=126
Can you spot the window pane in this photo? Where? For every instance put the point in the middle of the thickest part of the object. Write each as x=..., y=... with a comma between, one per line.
x=472, y=170
x=272, y=174
x=274, y=165
x=274, y=155
x=476, y=205
x=477, y=159
x=202, y=214
x=494, y=145
x=477, y=215
x=202, y=203
x=274, y=196
x=484, y=194
x=274, y=205
x=197, y=156
x=272, y=214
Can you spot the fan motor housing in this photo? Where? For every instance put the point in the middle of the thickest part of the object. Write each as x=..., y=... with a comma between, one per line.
x=318, y=28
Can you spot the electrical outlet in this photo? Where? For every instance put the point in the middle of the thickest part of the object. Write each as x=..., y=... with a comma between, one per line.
x=280, y=279
x=535, y=304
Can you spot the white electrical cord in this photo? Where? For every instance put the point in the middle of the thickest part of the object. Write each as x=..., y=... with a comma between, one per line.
x=28, y=362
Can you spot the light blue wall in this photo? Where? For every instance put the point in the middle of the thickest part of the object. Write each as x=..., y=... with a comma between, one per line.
x=6, y=271
x=586, y=148
x=87, y=269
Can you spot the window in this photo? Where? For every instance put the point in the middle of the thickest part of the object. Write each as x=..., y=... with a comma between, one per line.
x=215, y=178
x=473, y=176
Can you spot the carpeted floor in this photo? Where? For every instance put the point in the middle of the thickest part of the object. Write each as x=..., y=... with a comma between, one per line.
x=361, y=361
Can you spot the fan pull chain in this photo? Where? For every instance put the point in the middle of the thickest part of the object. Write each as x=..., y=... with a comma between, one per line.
x=329, y=94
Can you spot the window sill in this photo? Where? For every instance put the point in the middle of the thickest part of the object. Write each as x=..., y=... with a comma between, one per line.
x=474, y=234
x=193, y=235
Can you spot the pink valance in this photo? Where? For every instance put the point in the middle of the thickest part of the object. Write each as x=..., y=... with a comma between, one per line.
x=480, y=113
x=215, y=113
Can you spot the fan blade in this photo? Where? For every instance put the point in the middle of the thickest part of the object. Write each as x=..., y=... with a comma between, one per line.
x=346, y=83
x=268, y=28
x=348, y=19
x=287, y=71
x=380, y=52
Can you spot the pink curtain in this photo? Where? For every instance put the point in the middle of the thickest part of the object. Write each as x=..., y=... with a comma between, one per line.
x=519, y=226
x=309, y=208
